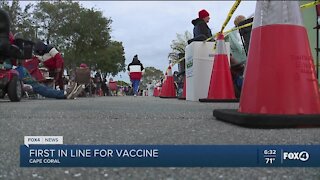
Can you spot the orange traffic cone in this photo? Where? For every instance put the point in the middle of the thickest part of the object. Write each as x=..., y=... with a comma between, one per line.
x=163, y=83
x=221, y=86
x=168, y=89
x=155, y=92
x=184, y=91
x=280, y=87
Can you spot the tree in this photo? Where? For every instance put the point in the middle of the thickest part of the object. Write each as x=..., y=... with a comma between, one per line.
x=178, y=45
x=111, y=60
x=122, y=83
x=13, y=10
x=82, y=35
x=21, y=21
x=151, y=73
x=56, y=22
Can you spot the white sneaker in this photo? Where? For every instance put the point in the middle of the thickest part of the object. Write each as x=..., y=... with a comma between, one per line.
x=70, y=95
x=76, y=93
x=71, y=87
x=135, y=95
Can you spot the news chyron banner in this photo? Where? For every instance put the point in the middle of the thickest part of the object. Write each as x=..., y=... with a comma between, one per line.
x=49, y=151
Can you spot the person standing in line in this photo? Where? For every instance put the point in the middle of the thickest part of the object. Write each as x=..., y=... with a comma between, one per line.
x=201, y=30
x=135, y=69
x=236, y=46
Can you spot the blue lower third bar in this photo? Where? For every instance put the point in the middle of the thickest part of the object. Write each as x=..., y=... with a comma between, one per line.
x=170, y=156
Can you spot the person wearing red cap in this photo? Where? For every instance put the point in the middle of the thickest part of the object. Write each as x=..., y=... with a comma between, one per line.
x=201, y=31
x=83, y=65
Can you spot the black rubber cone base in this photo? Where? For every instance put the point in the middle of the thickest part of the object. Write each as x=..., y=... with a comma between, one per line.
x=167, y=97
x=267, y=121
x=219, y=100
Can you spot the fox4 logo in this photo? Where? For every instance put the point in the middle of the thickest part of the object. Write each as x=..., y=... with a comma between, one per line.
x=302, y=156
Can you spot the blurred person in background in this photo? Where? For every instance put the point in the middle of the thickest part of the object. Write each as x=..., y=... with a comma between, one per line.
x=135, y=69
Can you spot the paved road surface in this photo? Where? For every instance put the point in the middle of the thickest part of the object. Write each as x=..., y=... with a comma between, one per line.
x=141, y=120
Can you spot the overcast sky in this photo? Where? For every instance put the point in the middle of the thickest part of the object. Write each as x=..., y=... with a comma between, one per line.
x=147, y=28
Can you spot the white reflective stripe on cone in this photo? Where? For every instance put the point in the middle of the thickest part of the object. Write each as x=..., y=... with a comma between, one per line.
x=277, y=12
x=221, y=47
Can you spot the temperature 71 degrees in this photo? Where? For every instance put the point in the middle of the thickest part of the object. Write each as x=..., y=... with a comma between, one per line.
x=269, y=160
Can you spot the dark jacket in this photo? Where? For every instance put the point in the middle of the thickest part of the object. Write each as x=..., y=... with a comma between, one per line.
x=49, y=55
x=201, y=31
x=132, y=68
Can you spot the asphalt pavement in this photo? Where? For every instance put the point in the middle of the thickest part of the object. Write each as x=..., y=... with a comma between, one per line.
x=137, y=120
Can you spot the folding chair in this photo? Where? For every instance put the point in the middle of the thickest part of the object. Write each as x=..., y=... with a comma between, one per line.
x=82, y=76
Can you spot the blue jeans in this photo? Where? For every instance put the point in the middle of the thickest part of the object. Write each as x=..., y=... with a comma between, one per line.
x=38, y=88
x=47, y=91
x=135, y=85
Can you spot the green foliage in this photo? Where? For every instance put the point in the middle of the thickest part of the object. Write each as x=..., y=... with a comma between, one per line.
x=20, y=19
x=82, y=35
x=178, y=45
x=150, y=74
x=115, y=60
x=55, y=21
x=122, y=83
